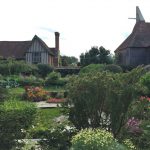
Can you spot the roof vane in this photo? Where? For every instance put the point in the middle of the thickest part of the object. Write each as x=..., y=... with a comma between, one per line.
x=139, y=16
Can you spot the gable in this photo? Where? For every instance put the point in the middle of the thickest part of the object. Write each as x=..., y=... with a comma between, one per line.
x=36, y=46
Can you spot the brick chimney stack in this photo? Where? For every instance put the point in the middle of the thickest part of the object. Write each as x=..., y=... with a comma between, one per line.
x=57, y=53
x=57, y=40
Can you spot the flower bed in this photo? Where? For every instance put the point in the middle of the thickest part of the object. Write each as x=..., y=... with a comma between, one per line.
x=55, y=100
x=35, y=94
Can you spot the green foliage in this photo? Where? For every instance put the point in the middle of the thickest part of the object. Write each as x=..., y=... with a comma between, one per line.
x=92, y=68
x=145, y=80
x=88, y=96
x=68, y=60
x=58, y=137
x=54, y=78
x=95, y=139
x=137, y=126
x=30, y=81
x=102, y=99
x=44, y=69
x=9, y=83
x=96, y=55
x=124, y=89
x=15, y=118
x=11, y=67
x=3, y=94
x=113, y=68
x=128, y=143
x=43, y=119
x=68, y=71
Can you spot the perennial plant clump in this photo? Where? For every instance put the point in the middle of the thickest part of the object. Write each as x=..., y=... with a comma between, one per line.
x=95, y=139
x=35, y=93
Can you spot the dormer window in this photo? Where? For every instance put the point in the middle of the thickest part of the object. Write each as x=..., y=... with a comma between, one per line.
x=36, y=57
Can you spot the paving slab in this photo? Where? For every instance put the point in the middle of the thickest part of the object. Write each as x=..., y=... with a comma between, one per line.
x=44, y=104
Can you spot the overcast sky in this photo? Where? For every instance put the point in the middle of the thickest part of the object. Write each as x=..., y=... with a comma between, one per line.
x=81, y=23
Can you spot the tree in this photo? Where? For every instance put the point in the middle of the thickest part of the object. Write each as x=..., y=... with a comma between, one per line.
x=68, y=60
x=96, y=56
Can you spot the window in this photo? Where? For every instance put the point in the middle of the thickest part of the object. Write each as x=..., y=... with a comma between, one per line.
x=36, y=57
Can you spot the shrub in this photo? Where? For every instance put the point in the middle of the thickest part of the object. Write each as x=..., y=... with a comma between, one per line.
x=35, y=94
x=58, y=137
x=15, y=118
x=88, y=95
x=145, y=80
x=92, y=68
x=54, y=78
x=102, y=99
x=67, y=71
x=113, y=68
x=3, y=94
x=30, y=81
x=44, y=69
x=18, y=67
x=128, y=143
x=11, y=67
x=137, y=123
x=9, y=83
x=95, y=139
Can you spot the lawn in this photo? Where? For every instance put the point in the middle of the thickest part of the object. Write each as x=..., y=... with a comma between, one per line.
x=45, y=117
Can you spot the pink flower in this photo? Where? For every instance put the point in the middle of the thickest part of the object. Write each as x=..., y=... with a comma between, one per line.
x=133, y=125
x=145, y=98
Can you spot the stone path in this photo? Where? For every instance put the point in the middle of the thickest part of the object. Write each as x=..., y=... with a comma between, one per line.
x=44, y=104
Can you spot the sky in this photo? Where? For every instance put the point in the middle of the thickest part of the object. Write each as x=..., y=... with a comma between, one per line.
x=81, y=23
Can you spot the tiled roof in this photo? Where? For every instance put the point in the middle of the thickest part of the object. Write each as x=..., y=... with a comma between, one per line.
x=17, y=49
x=140, y=37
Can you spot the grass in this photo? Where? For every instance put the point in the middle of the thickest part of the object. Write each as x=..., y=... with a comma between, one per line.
x=45, y=117
x=16, y=91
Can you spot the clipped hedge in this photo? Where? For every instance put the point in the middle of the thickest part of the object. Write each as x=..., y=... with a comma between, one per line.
x=30, y=81
x=15, y=118
x=92, y=68
x=113, y=68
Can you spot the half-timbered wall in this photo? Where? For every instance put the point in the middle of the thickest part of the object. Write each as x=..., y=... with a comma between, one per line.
x=37, y=47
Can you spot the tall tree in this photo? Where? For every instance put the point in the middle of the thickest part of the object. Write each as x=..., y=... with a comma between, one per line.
x=96, y=55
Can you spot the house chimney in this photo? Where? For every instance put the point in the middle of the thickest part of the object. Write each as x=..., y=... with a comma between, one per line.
x=57, y=53
x=57, y=41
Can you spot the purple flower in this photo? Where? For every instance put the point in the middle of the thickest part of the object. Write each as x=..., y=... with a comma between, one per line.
x=133, y=125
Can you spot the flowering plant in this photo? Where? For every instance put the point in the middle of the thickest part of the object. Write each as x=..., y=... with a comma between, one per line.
x=55, y=100
x=133, y=125
x=35, y=93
